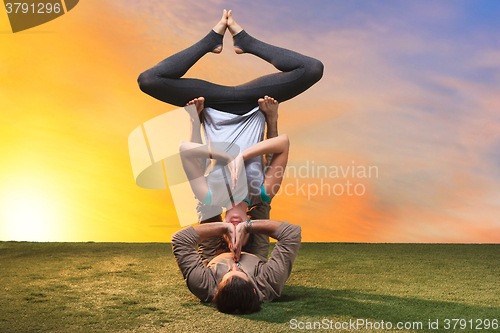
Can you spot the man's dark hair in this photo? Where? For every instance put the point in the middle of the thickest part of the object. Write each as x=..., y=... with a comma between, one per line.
x=236, y=296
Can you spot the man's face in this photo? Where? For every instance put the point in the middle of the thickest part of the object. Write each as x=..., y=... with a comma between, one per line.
x=235, y=271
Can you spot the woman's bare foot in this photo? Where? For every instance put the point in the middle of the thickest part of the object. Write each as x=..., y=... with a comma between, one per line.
x=233, y=28
x=199, y=103
x=269, y=106
x=220, y=28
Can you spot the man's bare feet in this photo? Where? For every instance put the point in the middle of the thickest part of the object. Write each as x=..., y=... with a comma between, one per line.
x=233, y=28
x=220, y=28
x=269, y=106
x=199, y=103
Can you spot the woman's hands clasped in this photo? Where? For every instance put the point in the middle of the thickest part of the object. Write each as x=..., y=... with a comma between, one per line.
x=235, y=166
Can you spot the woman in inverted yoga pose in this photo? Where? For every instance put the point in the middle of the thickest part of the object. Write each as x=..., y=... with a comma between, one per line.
x=236, y=283
x=297, y=73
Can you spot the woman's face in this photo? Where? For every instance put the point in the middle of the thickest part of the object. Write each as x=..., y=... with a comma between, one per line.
x=236, y=214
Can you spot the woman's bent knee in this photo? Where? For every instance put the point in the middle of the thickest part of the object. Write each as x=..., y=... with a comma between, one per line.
x=315, y=70
x=146, y=81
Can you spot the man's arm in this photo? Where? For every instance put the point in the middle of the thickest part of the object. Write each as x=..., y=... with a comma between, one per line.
x=266, y=227
x=199, y=278
x=195, y=131
x=272, y=126
x=269, y=106
x=215, y=229
x=194, y=113
x=277, y=270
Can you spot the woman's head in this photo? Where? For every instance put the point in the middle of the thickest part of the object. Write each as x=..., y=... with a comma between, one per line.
x=236, y=212
x=236, y=294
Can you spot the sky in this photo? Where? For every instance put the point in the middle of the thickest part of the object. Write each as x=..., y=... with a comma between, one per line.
x=409, y=92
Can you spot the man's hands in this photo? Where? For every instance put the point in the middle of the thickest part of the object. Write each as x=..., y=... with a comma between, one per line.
x=236, y=236
x=241, y=238
x=230, y=236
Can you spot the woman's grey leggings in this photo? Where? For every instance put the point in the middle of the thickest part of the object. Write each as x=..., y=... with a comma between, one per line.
x=297, y=74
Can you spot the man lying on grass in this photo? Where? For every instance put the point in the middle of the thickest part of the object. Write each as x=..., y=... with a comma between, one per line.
x=237, y=282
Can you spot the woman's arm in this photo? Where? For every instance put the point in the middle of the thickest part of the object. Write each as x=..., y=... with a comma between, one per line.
x=191, y=153
x=279, y=147
x=192, y=150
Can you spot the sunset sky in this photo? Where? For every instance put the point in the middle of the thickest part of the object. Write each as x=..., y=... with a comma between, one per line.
x=410, y=88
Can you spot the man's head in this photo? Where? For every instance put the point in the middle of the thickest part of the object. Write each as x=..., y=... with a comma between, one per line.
x=236, y=294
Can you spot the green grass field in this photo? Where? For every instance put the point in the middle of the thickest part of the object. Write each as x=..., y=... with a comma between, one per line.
x=122, y=287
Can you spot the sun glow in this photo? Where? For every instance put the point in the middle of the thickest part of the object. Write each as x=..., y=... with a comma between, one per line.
x=28, y=215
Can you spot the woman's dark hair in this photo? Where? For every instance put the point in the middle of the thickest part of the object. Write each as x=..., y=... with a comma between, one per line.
x=236, y=296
